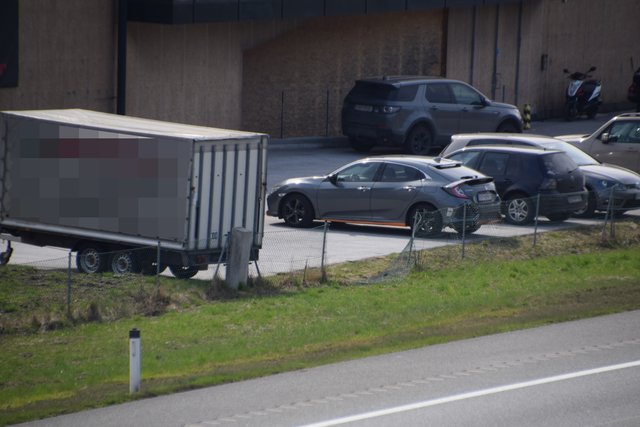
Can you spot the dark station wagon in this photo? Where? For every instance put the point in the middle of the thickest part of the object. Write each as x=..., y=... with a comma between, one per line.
x=525, y=175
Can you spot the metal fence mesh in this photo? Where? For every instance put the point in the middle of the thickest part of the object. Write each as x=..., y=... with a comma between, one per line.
x=313, y=253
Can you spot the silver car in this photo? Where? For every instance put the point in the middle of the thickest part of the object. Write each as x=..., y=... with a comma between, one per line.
x=616, y=142
x=406, y=191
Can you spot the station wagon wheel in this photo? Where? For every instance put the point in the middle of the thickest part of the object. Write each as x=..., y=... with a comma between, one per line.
x=559, y=217
x=507, y=127
x=297, y=211
x=519, y=209
x=419, y=140
x=425, y=220
x=589, y=210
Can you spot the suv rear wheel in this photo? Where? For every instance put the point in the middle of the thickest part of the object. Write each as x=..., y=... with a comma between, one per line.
x=508, y=127
x=361, y=146
x=419, y=140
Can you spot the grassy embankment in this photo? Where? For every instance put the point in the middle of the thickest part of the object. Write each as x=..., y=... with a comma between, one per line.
x=193, y=334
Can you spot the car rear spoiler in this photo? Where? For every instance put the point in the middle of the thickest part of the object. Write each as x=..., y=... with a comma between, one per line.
x=471, y=181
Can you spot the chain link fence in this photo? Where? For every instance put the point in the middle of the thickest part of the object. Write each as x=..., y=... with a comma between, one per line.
x=303, y=255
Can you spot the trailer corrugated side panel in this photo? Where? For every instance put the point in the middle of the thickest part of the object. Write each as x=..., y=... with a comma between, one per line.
x=108, y=177
x=229, y=191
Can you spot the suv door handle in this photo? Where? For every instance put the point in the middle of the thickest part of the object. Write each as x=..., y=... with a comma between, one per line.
x=363, y=188
x=409, y=187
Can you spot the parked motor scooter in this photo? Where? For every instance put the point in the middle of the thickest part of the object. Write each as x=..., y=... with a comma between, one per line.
x=583, y=96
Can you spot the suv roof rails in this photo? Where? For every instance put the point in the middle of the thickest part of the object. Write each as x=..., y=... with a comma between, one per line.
x=629, y=115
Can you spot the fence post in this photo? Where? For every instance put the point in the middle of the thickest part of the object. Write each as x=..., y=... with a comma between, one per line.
x=326, y=123
x=69, y=285
x=612, y=234
x=535, y=229
x=158, y=265
x=282, y=115
x=464, y=226
x=323, y=271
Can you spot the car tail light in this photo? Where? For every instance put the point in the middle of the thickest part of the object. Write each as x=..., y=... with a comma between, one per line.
x=386, y=109
x=456, y=191
x=549, y=184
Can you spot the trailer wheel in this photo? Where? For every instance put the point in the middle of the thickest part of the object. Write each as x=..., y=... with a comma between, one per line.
x=124, y=262
x=182, y=272
x=91, y=260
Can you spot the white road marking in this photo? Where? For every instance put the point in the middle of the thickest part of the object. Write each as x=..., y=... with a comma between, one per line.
x=470, y=395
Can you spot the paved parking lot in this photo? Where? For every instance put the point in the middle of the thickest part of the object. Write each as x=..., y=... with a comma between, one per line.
x=287, y=249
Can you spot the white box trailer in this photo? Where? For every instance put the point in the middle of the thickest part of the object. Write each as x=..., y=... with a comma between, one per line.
x=115, y=188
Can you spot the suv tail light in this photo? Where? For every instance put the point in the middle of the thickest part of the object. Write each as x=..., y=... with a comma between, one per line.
x=386, y=109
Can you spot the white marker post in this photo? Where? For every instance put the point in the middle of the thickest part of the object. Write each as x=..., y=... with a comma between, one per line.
x=135, y=358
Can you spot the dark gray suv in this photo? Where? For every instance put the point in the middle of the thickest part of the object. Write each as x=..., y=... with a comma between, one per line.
x=420, y=113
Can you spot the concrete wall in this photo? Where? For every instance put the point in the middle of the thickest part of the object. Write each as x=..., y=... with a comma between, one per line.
x=554, y=34
x=191, y=73
x=66, y=56
x=581, y=33
x=294, y=84
x=288, y=77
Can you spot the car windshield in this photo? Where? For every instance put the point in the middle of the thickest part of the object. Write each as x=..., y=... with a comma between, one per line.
x=556, y=163
x=577, y=155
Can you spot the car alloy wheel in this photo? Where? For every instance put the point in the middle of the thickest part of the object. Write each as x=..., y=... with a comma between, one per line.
x=297, y=211
x=519, y=210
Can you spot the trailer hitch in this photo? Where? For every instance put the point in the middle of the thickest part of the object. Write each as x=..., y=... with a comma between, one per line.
x=6, y=255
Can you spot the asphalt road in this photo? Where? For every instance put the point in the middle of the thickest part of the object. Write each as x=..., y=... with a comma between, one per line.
x=583, y=373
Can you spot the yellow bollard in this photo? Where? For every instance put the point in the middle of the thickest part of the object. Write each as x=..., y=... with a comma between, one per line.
x=526, y=117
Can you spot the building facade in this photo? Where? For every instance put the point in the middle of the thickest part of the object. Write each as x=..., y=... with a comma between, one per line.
x=283, y=66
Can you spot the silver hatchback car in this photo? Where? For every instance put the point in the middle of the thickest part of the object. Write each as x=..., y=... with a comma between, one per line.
x=421, y=192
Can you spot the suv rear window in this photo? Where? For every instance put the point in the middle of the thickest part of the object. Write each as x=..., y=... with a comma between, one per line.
x=558, y=163
x=382, y=92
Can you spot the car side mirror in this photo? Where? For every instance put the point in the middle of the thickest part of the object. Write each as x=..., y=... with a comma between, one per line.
x=333, y=179
x=604, y=137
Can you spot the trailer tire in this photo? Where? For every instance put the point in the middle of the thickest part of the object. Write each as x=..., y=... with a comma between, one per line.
x=124, y=262
x=91, y=259
x=182, y=272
